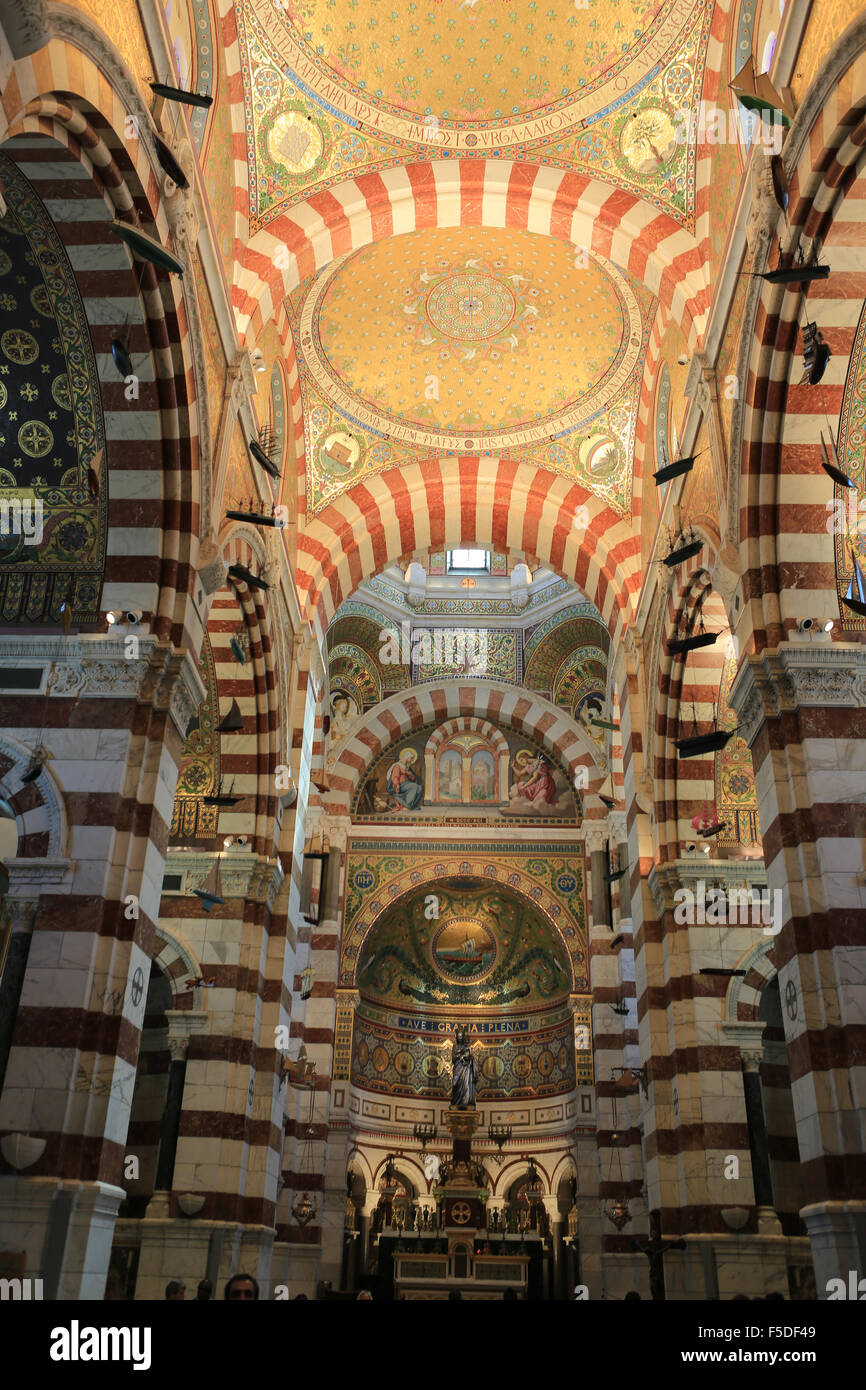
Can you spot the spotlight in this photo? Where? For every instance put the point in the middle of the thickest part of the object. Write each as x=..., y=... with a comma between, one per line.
x=133, y=616
x=114, y=616
x=258, y=359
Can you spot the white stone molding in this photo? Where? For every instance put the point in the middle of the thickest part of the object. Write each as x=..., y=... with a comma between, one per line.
x=730, y=875
x=792, y=676
x=256, y=877
x=29, y=875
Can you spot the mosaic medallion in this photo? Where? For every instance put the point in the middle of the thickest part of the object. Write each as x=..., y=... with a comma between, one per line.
x=464, y=950
x=470, y=307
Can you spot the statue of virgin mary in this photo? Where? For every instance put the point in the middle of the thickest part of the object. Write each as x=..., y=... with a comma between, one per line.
x=464, y=1072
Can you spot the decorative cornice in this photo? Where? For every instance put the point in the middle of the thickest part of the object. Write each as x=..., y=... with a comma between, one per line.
x=731, y=875
x=243, y=875
x=188, y=694
x=101, y=667
x=25, y=875
x=790, y=677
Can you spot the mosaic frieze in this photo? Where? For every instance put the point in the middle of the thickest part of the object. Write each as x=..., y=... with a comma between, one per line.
x=528, y=1061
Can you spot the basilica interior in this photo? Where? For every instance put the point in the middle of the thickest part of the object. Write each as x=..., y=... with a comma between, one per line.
x=432, y=667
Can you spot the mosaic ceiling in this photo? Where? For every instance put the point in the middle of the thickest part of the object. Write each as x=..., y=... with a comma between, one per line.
x=470, y=340
x=51, y=426
x=336, y=88
x=484, y=947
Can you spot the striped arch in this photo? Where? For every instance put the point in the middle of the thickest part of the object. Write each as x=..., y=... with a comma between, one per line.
x=473, y=193
x=157, y=564
x=743, y=997
x=444, y=503
x=176, y=960
x=493, y=701
x=40, y=812
x=781, y=491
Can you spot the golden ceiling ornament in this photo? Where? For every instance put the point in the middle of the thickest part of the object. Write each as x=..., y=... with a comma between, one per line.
x=477, y=69
x=366, y=308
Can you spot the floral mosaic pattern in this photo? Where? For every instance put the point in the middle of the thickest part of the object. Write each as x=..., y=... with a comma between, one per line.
x=332, y=90
x=51, y=426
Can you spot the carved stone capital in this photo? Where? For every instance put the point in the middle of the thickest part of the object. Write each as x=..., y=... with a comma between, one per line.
x=179, y=203
x=752, y=1059
x=700, y=383
x=764, y=211
x=336, y=829
x=794, y=676
x=187, y=695
x=594, y=834
x=20, y=911
x=212, y=568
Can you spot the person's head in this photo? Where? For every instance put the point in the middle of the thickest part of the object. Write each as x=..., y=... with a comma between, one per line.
x=455, y=1294
x=175, y=1290
x=301, y=1296
x=510, y=1294
x=242, y=1286
x=204, y=1292
x=632, y=1296
x=364, y=1296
